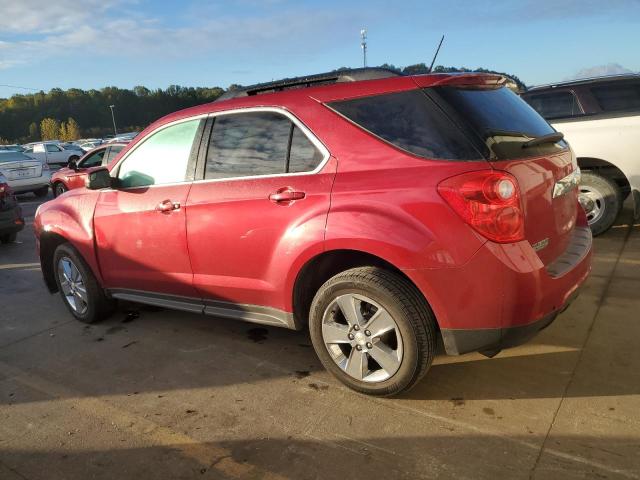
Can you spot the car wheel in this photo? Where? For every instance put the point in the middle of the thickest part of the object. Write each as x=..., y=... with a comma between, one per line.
x=601, y=199
x=78, y=287
x=373, y=330
x=8, y=237
x=41, y=192
x=58, y=189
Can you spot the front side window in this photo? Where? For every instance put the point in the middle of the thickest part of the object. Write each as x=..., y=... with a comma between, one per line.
x=39, y=148
x=555, y=105
x=618, y=96
x=93, y=160
x=161, y=158
x=258, y=143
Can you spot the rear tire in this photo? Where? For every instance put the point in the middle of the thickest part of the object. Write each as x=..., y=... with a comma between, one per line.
x=8, y=238
x=78, y=287
x=602, y=200
x=41, y=192
x=389, y=357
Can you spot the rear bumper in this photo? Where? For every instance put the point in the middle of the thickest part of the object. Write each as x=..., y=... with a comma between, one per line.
x=30, y=184
x=459, y=341
x=504, y=295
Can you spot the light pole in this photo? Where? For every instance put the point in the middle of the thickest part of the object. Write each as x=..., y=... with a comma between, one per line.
x=363, y=44
x=113, y=117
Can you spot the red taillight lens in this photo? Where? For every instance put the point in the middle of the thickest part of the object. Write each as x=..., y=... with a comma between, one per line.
x=5, y=189
x=489, y=201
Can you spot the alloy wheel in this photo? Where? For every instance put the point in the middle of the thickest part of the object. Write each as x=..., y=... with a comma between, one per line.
x=362, y=338
x=73, y=286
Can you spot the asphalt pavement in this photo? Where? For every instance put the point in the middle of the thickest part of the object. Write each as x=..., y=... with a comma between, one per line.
x=158, y=394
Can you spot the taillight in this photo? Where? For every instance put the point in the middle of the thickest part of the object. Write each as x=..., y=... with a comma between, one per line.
x=5, y=189
x=489, y=201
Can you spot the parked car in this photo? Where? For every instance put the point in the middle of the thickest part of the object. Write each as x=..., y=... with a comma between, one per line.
x=600, y=117
x=11, y=221
x=25, y=174
x=86, y=146
x=378, y=211
x=11, y=148
x=52, y=153
x=75, y=174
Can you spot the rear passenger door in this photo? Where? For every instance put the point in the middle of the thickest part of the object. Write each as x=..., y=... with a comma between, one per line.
x=259, y=203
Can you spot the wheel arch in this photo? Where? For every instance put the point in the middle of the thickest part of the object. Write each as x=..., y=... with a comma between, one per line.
x=49, y=241
x=608, y=170
x=320, y=268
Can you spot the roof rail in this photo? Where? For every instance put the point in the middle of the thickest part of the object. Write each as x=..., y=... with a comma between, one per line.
x=586, y=80
x=337, y=76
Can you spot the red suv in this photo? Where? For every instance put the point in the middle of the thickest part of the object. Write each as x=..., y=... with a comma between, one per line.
x=378, y=211
x=74, y=175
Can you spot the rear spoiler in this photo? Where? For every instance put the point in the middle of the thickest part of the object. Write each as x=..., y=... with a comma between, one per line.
x=463, y=80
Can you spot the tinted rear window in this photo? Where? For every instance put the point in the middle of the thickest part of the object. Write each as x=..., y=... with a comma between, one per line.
x=499, y=118
x=618, y=97
x=555, y=105
x=411, y=121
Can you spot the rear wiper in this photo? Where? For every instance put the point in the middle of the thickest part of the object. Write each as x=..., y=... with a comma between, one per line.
x=548, y=138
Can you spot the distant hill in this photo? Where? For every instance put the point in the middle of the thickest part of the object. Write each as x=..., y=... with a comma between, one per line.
x=20, y=115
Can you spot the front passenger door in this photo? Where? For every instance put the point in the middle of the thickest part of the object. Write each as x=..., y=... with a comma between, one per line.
x=140, y=226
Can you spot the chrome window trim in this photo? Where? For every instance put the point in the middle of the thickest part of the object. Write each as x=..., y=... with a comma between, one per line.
x=116, y=167
x=297, y=122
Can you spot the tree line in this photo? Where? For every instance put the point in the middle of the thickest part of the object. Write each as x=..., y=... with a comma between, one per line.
x=69, y=114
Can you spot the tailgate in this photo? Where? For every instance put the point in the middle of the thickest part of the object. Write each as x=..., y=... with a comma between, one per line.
x=21, y=169
x=549, y=221
x=516, y=139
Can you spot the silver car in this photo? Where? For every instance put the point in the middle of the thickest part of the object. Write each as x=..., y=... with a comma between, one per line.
x=25, y=174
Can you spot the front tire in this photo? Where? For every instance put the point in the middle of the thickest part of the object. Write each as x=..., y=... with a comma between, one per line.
x=373, y=330
x=601, y=199
x=58, y=189
x=78, y=287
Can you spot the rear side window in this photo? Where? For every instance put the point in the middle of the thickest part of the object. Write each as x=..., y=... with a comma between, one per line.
x=411, y=121
x=304, y=156
x=555, y=105
x=258, y=143
x=618, y=97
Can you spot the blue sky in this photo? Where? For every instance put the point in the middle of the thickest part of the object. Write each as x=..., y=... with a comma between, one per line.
x=96, y=43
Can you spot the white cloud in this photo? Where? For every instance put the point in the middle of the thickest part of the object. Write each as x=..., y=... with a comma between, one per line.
x=44, y=28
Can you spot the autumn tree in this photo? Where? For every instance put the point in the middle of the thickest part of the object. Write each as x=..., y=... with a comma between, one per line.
x=73, y=130
x=49, y=129
x=34, y=133
x=62, y=132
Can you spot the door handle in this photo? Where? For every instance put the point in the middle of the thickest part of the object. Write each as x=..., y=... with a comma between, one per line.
x=167, y=206
x=286, y=195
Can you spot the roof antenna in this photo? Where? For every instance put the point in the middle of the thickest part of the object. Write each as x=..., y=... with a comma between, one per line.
x=434, y=57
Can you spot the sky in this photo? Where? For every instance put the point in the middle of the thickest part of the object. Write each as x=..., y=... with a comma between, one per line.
x=97, y=43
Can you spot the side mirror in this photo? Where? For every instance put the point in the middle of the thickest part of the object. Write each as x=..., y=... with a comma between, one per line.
x=99, y=179
x=73, y=165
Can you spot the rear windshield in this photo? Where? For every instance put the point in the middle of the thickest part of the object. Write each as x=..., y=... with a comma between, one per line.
x=452, y=123
x=501, y=120
x=9, y=156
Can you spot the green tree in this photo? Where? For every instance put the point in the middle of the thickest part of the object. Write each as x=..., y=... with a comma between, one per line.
x=49, y=129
